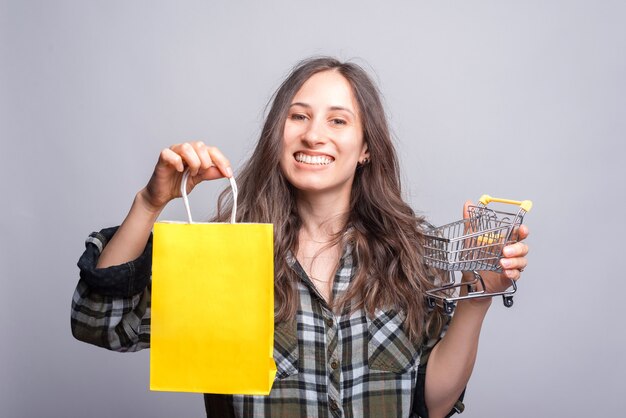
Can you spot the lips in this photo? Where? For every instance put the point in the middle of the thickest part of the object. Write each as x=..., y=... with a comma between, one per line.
x=313, y=159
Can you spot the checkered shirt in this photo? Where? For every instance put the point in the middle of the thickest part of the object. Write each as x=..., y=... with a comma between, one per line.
x=328, y=364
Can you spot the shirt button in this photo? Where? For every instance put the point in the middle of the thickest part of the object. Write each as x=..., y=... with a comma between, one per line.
x=329, y=322
x=334, y=364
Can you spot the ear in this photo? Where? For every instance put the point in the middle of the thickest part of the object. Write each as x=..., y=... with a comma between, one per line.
x=365, y=152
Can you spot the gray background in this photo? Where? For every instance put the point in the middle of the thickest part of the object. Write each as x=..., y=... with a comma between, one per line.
x=521, y=99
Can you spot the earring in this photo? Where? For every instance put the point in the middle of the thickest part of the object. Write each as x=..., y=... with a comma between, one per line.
x=365, y=161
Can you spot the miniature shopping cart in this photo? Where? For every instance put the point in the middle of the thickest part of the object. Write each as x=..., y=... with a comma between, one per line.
x=472, y=244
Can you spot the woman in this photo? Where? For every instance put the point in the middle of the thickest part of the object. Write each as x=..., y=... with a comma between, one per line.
x=352, y=331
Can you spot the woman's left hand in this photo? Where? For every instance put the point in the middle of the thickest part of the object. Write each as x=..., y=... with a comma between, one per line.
x=513, y=261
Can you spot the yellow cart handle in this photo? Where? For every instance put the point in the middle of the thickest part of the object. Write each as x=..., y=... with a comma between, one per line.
x=524, y=204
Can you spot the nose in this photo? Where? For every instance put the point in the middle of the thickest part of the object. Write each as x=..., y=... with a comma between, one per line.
x=314, y=134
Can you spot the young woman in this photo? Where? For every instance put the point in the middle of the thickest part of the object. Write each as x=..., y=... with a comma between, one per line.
x=353, y=335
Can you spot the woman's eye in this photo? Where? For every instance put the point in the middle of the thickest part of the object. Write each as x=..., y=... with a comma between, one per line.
x=297, y=116
x=337, y=121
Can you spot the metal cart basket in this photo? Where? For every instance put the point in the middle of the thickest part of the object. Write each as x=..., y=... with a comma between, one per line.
x=472, y=244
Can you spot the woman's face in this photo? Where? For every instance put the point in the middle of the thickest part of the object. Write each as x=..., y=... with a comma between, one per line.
x=323, y=137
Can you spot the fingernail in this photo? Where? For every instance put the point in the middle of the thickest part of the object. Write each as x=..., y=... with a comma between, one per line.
x=229, y=171
x=505, y=263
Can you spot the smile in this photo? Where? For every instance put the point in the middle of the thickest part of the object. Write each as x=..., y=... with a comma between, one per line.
x=313, y=159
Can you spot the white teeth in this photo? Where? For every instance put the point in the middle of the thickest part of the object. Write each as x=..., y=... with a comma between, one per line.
x=313, y=159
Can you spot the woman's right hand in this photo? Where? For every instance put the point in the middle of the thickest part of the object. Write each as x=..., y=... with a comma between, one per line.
x=204, y=162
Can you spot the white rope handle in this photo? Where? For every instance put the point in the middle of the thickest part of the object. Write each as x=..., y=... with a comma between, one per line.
x=183, y=192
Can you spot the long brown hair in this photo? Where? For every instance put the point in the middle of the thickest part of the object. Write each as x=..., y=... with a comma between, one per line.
x=385, y=232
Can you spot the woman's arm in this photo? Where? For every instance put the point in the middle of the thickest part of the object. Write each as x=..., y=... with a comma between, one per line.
x=114, y=323
x=451, y=361
x=111, y=303
x=111, y=306
x=130, y=239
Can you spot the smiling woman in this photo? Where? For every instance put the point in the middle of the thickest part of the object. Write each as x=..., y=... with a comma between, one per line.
x=323, y=140
x=352, y=334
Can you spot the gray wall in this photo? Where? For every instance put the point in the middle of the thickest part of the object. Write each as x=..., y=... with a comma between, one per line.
x=522, y=99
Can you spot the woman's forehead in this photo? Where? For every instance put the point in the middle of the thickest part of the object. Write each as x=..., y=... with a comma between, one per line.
x=328, y=89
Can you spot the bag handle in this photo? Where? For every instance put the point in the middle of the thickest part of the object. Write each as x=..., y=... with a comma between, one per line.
x=183, y=192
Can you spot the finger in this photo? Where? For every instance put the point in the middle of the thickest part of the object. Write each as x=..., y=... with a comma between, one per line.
x=518, y=263
x=220, y=161
x=522, y=232
x=467, y=225
x=513, y=274
x=211, y=173
x=169, y=157
x=189, y=155
x=466, y=206
x=519, y=249
x=203, y=154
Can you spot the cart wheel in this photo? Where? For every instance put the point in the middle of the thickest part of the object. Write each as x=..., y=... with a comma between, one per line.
x=430, y=301
x=508, y=301
x=448, y=307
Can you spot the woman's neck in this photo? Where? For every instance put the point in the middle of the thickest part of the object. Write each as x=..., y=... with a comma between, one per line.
x=323, y=216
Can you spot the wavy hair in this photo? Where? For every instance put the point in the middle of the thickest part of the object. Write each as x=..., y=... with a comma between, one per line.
x=385, y=232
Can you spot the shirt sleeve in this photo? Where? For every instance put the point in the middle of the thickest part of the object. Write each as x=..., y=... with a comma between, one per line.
x=111, y=306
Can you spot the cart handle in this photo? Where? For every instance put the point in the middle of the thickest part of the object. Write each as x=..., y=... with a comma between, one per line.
x=524, y=204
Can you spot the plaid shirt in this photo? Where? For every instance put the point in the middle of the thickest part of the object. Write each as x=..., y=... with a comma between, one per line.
x=328, y=365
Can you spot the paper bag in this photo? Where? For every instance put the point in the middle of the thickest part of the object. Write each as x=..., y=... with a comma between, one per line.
x=212, y=318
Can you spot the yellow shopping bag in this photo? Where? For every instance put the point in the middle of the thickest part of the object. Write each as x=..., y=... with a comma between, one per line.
x=212, y=318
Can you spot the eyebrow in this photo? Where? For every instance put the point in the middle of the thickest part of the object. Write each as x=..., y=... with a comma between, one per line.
x=331, y=108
